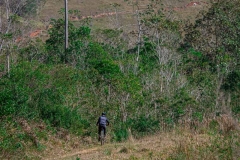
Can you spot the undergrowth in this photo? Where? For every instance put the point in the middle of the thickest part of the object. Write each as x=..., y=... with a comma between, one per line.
x=218, y=147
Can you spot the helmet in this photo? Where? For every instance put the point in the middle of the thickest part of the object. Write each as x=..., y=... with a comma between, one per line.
x=103, y=113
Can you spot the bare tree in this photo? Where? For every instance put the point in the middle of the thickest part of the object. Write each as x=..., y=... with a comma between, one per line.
x=66, y=27
x=11, y=28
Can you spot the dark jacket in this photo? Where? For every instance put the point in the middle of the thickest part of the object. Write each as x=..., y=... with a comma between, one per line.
x=102, y=121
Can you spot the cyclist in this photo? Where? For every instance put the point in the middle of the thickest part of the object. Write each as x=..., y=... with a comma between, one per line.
x=102, y=123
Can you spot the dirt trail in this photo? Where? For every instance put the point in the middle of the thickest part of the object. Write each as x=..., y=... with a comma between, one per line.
x=75, y=154
x=157, y=146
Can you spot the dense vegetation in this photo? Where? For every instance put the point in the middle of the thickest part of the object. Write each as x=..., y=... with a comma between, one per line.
x=162, y=80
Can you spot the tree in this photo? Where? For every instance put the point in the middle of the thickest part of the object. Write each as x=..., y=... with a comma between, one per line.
x=78, y=42
x=12, y=27
x=211, y=46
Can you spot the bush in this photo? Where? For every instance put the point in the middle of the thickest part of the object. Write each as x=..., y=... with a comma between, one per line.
x=143, y=125
x=32, y=93
x=65, y=117
x=120, y=133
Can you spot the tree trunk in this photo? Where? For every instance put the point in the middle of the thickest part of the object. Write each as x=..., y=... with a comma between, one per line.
x=8, y=64
x=139, y=34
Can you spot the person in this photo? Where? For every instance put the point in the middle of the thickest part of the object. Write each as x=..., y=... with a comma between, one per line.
x=102, y=123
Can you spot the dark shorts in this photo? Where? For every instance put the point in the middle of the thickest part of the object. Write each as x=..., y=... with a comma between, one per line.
x=104, y=130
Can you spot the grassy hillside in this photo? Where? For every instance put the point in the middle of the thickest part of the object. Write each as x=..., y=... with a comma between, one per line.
x=170, y=145
x=164, y=75
x=92, y=7
x=178, y=10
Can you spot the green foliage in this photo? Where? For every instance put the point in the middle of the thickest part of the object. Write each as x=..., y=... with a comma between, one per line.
x=60, y=116
x=31, y=7
x=211, y=52
x=235, y=105
x=218, y=147
x=218, y=22
x=69, y=88
x=120, y=132
x=108, y=69
x=33, y=51
x=143, y=125
x=198, y=54
x=232, y=81
x=78, y=40
x=182, y=100
x=6, y=36
x=31, y=93
x=12, y=139
x=214, y=126
x=198, y=116
x=110, y=33
x=96, y=52
x=130, y=84
x=148, y=57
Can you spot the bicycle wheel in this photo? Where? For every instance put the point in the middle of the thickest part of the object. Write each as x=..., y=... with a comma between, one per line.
x=102, y=137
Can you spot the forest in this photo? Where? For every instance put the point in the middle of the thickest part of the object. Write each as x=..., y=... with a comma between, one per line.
x=158, y=76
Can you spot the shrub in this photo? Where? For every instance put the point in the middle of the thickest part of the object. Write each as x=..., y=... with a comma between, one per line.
x=143, y=125
x=120, y=132
x=32, y=93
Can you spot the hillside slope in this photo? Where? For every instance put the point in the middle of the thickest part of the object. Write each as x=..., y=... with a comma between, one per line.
x=114, y=13
x=167, y=145
x=91, y=7
x=185, y=9
x=151, y=80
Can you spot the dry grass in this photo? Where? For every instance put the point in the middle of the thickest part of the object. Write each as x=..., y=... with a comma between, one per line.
x=91, y=8
x=220, y=142
x=124, y=19
x=178, y=144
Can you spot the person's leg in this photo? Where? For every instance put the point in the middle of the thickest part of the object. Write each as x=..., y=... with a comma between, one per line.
x=105, y=130
x=99, y=132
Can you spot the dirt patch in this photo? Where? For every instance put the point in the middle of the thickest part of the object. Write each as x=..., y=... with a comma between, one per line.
x=35, y=33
